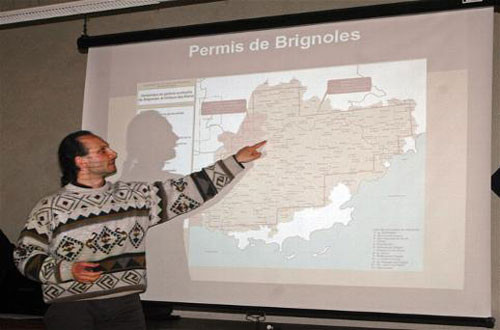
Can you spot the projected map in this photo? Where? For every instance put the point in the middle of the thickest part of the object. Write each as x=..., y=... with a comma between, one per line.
x=341, y=184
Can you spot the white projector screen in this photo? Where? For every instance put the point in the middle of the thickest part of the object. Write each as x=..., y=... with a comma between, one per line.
x=373, y=192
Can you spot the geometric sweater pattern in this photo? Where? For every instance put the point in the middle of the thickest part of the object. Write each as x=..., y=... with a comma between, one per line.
x=108, y=226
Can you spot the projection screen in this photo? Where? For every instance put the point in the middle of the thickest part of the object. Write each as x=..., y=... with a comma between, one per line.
x=373, y=191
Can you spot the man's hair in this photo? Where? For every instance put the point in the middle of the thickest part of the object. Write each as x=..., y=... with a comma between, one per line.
x=70, y=148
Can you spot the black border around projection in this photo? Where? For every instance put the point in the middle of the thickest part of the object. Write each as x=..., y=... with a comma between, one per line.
x=85, y=41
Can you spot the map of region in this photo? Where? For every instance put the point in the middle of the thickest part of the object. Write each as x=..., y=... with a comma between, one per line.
x=342, y=173
x=316, y=156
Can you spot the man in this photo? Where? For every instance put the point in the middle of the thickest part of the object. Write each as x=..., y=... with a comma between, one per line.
x=86, y=243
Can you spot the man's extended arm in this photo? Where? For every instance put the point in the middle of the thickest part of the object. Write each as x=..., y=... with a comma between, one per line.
x=179, y=196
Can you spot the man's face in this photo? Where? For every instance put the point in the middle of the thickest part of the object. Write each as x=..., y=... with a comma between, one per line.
x=100, y=159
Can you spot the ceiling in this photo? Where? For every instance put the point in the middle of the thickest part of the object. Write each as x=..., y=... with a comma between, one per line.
x=22, y=4
x=13, y=12
x=6, y=5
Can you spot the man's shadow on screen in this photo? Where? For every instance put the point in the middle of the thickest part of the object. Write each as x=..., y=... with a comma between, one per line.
x=150, y=142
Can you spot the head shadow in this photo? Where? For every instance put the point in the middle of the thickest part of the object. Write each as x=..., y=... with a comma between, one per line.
x=150, y=142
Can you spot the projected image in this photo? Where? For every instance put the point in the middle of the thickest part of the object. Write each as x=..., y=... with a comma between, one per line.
x=341, y=185
x=373, y=190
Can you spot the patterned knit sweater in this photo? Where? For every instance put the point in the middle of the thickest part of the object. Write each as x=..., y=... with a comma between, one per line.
x=107, y=225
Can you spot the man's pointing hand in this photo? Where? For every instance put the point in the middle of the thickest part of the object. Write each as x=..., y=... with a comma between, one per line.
x=249, y=153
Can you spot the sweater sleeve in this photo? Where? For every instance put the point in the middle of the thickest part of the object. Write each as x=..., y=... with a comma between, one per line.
x=31, y=255
x=179, y=196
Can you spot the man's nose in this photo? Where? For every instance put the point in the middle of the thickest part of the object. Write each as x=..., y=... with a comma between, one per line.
x=112, y=154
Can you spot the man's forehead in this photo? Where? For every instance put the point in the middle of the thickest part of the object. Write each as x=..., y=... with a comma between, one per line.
x=92, y=142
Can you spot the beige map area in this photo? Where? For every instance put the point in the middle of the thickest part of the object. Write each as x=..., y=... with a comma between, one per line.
x=311, y=148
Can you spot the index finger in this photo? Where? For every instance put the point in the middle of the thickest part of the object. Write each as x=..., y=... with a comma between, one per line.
x=258, y=145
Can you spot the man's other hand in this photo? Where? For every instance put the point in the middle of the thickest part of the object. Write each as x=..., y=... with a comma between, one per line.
x=84, y=272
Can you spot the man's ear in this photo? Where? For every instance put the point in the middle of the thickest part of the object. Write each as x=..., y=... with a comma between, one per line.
x=80, y=162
